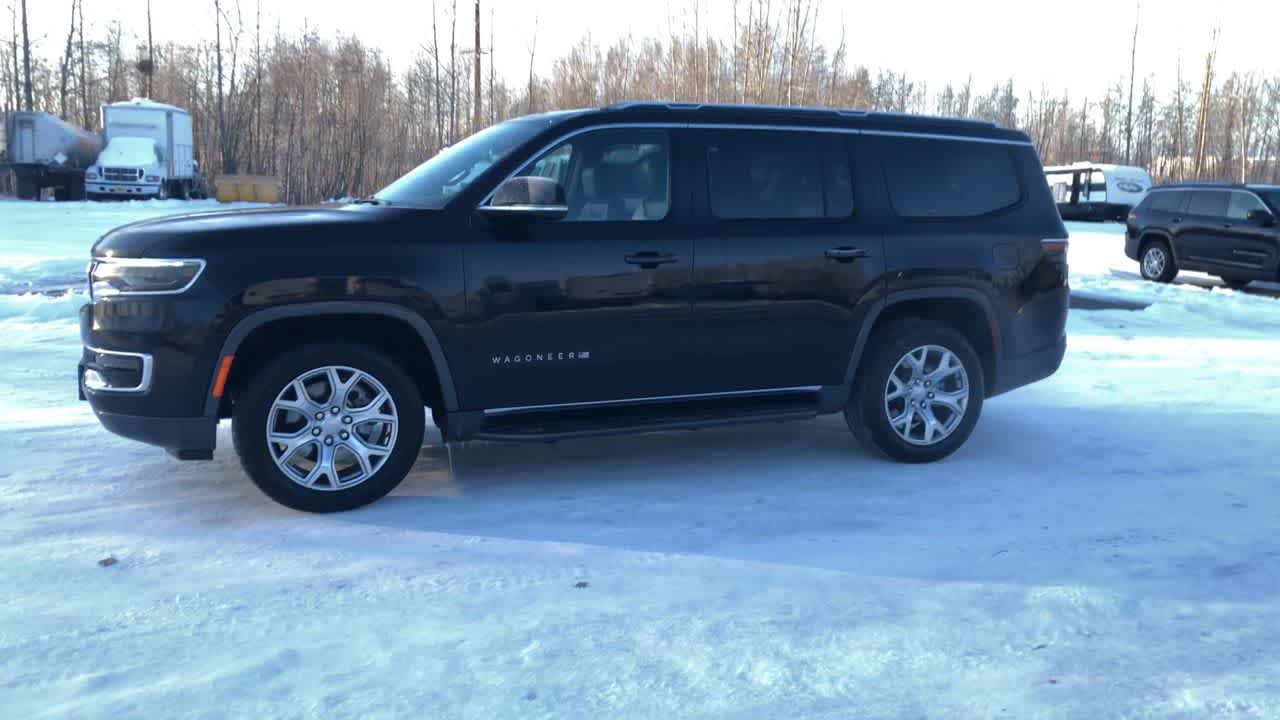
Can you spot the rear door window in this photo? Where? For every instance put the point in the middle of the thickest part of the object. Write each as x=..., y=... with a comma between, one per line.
x=1208, y=203
x=763, y=175
x=935, y=179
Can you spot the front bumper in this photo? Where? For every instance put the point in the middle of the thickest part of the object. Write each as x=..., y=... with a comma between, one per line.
x=106, y=189
x=144, y=372
x=185, y=438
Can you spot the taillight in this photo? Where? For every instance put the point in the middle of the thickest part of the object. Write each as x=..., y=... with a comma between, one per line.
x=1054, y=245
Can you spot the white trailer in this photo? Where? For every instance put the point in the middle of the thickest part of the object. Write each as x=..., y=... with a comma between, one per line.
x=1096, y=191
x=149, y=152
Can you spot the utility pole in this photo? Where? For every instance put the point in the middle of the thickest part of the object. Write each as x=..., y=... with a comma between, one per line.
x=476, y=101
x=1133, y=64
x=26, y=61
x=151, y=54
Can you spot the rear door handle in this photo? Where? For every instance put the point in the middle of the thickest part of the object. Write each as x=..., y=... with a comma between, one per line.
x=847, y=254
x=650, y=260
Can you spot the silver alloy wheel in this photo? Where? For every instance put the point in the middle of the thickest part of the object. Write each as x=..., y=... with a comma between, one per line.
x=926, y=395
x=332, y=428
x=1154, y=261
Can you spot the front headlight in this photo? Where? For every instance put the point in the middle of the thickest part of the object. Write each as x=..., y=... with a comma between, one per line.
x=142, y=276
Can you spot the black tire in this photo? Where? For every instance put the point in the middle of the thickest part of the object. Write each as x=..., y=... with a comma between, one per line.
x=1235, y=282
x=253, y=406
x=28, y=189
x=867, y=414
x=1167, y=269
x=76, y=189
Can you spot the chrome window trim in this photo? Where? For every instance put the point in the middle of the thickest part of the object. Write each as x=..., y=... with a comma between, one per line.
x=201, y=263
x=622, y=402
x=522, y=208
x=694, y=125
x=942, y=136
x=144, y=383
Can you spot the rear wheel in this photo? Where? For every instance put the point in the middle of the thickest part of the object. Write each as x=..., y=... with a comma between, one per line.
x=1235, y=282
x=919, y=392
x=1156, y=262
x=329, y=427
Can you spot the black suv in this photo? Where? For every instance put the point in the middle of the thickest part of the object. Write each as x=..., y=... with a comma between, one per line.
x=638, y=267
x=1224, y=230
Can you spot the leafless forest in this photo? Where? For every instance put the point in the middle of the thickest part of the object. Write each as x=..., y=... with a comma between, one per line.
x=332, y=117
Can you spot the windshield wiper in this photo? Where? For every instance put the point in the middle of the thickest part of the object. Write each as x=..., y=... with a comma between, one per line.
x=370, y=200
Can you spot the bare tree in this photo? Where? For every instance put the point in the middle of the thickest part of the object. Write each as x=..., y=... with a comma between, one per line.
x=84, y=61
x=475, y=97
x=64, y=68
x=1206, y=92
x=533, y=46
x=453, y=73
x=493, y=49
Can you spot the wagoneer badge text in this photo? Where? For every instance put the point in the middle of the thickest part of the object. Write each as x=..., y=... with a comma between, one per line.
x=540, y=357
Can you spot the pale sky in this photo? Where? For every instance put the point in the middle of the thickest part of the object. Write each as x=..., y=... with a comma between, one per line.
x=1078, y=45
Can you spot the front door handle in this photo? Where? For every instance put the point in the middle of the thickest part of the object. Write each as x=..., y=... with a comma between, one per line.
x=649, y=260
x=847, y=254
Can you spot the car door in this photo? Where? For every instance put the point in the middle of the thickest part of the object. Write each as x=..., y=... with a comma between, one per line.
x=1199, y=233
x=596, y=306
x=1248, y=245
x=784, y=271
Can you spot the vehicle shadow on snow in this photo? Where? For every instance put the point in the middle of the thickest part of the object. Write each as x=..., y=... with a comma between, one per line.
x=1087, y=495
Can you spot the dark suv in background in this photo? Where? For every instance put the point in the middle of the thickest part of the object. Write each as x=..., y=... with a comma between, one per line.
x=638, y=267
x=1224, y=230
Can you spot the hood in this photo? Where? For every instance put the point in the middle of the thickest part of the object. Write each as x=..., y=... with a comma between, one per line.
x=131, y=152
x=195, y=234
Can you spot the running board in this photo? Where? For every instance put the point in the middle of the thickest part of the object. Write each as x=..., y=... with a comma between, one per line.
x=594, y=422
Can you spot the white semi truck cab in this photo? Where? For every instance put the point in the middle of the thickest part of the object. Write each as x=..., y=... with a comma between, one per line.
x=148, y=152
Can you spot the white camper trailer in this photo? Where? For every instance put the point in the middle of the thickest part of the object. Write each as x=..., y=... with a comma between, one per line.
x=1096, y=191
x=148, y=152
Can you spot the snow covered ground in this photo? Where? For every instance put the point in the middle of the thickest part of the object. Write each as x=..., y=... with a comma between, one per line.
x=1104, y=546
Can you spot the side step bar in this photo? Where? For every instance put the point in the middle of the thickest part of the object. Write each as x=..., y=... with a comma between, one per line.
x=616, y=420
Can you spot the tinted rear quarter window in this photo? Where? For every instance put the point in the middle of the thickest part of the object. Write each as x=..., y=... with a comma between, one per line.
x=1209, y=203
x=1169, y=201
x=934, y=179
x=778, y=175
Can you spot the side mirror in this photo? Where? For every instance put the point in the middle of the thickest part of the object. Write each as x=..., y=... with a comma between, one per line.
x=1262, y=217
x=527, y=197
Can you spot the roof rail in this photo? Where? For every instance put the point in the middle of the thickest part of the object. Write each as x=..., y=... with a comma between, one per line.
x=798, y=109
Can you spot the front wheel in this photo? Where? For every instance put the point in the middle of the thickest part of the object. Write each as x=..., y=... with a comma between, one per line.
x=329, y=427
x=919, y=392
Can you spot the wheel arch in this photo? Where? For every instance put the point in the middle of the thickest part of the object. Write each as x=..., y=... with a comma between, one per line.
x=965, y=309
x=1149, y=236
x=404, y=334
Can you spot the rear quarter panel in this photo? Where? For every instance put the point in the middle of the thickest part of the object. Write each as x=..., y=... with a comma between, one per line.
x=998, y=256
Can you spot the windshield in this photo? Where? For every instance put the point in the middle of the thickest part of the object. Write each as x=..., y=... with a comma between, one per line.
x=453, y=169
